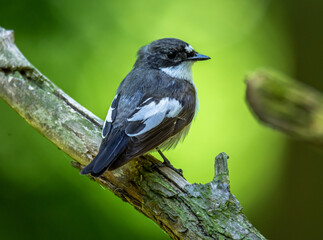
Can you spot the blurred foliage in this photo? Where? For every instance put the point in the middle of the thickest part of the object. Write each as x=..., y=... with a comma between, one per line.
x=88, y=48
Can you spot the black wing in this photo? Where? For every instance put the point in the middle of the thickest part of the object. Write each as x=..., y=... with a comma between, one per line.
x=152, y=123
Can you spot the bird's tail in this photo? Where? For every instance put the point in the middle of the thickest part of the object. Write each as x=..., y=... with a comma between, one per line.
x=108, y=153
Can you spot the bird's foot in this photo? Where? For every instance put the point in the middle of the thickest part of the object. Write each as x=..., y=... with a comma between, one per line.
x=167, y=163
x=178, y=170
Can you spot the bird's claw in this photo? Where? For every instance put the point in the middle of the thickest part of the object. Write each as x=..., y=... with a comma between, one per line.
x=178, y=170
x=169, y=165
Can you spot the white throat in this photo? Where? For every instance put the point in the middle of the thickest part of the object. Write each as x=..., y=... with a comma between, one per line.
x=181, y=71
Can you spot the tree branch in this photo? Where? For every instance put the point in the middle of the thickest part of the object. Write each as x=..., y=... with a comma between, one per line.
x=287, y=105
x=183, y=210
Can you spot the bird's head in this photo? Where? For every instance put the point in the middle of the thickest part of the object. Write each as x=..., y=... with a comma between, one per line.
x=167, y=52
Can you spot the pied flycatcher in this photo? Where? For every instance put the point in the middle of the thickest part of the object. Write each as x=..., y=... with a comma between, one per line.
x=153, y=107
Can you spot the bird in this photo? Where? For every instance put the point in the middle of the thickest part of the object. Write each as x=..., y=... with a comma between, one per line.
x=153, y=107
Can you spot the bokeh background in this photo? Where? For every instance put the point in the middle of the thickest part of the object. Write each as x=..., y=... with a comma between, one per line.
x=87, y=48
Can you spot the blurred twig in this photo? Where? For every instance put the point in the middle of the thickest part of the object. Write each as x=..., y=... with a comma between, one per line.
x=183, y=210
x=286, y=105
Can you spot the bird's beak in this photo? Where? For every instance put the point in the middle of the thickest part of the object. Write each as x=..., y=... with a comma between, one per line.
x=198, y=57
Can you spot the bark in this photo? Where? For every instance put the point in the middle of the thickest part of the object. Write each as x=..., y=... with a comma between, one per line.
x=183, y=210
x=287, y=105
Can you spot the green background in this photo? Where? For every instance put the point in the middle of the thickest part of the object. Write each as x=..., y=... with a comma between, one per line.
x=87, y=48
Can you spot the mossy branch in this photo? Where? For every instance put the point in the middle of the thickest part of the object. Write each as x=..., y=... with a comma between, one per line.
x=183, y=210
x=287, y=105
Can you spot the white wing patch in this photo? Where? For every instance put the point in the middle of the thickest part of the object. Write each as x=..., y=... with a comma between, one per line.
x=181, y=71
x=109, y=115
x=108, y=118
x=154, y=113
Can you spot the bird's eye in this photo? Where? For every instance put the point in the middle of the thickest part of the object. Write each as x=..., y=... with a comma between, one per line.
x=171, y=55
